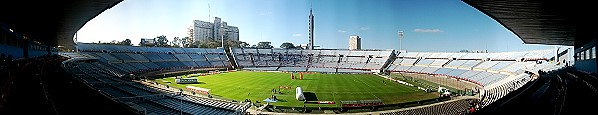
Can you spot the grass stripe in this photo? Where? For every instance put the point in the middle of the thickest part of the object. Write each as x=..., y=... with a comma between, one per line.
x=326, y=87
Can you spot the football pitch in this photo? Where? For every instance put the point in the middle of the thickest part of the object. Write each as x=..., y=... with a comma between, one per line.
x=258, y=86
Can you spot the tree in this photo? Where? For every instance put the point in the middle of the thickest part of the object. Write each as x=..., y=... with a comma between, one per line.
x=194, y=44
x=185, y=42
x=232, y=43
x=113, y=42
x=287, y=45
x=126, y=42
x=212, y=43
x=161, y=41
x=264, y=45
x=244, y=45
x=209, y=43
x=176, y=42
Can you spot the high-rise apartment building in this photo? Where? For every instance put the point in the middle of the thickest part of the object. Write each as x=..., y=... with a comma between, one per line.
x=216, y=30
x=354, y=43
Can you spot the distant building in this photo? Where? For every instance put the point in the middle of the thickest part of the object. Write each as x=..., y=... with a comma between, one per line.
x=190, y=33
x=216, y=30
x=310, y=43
x=473, y=51
x=354, y=43
x=303, y=46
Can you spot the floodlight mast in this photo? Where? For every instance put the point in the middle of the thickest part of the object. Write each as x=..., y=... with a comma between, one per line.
x=400, y=40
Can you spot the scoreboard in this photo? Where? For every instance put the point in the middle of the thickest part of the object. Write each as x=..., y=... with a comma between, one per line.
x=186, y=80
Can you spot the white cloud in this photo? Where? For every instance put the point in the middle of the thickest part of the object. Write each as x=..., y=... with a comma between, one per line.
x=297, y=35
x=342, y=31
x=364, y=28
x=428, y=30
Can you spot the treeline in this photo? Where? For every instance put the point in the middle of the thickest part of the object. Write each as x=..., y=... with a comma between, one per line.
x=186, y=42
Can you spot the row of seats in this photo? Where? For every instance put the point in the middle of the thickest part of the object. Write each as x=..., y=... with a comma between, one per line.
x=481, y=78
x=121, y=89
x=493, y=94
x=191, y=107
x=214, y=103
x=154, y=108
x=508, y=67
x=85, y=47
x=529, y=55
x=457, y=107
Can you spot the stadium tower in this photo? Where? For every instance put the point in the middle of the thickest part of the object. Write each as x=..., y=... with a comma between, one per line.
x=310, y=44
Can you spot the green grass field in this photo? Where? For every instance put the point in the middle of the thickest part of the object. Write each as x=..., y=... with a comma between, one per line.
x=243, y=85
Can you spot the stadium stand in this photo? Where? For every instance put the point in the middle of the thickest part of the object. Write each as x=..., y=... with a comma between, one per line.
x=310, y=60
x=105, y=74
x=129, y=59
x=498, y=74
x=494, y=72
x=491, y=71
x=493, y=66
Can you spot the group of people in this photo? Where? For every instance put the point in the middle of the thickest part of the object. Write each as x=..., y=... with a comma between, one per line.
x=274, y=91
x=273, y=98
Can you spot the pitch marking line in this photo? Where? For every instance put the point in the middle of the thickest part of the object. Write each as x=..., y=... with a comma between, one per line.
x=368, y=86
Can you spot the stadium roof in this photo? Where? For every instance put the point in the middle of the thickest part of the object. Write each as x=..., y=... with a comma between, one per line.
x=535, y=22
x=543, y=21
x=52, y=22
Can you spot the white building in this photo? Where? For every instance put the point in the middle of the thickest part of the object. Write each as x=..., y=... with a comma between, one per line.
x=216, y=30
x=354, y=43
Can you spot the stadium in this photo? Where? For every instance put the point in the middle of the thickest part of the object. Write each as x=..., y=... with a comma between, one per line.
x=117, y=79
x=338, y=81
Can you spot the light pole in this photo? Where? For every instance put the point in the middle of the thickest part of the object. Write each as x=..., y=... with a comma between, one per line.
x=181, y=105
x=400, y=40
x=222, y=39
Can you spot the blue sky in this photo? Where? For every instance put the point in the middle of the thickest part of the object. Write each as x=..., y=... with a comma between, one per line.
x=429, y=25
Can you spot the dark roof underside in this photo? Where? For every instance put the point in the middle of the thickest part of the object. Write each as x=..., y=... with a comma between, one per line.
x=52, y=22
x=547, y=22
